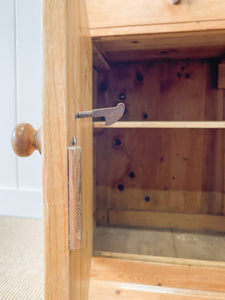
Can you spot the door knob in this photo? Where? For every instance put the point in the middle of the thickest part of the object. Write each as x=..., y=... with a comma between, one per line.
x=174, y=2
x=25, y=139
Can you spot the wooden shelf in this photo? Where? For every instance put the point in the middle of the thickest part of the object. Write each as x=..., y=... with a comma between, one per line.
x=163, y=124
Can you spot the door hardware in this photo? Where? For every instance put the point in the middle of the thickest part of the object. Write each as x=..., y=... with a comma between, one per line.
x=111, y=114
x=25, y=139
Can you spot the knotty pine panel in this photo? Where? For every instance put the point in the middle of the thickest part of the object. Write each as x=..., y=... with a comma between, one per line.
x=168, y=170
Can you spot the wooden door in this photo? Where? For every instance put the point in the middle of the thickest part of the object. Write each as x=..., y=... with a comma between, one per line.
x=67, y=89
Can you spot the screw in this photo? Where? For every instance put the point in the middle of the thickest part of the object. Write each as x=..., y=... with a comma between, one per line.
x=74, y=141
x=122, y=96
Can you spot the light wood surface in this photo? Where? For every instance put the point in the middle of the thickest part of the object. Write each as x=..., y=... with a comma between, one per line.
x=55, y=175
x=108, y=290
x=161, y=259
x=75, y=197
x=105, y=13
x=154, y=29
x=79, y=70
x=157, y=274
x=167, y=220
x=67, y=89
x=161, y=124
x=153, y=46
x=160, y=30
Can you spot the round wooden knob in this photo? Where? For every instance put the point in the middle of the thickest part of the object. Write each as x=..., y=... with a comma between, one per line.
x=25, y=139
x=174, y=2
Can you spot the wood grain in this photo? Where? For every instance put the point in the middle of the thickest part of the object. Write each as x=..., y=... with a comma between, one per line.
x=162, y=46
x=157, y=274
x=67, y=89
x=221, y=75
x=167, y=220
x=103, y=14
x=25, y=140
x=152, y=167
x=75, y=197
x=95, y=95
x=108, y=290
x=161, y=124
x=170, y=179
x=99, y=61
x=79, y=81
x=54, y=126
x=158, y=31
x=162, y=260
x=186, y=29
x=213, y=166
x=167, y=90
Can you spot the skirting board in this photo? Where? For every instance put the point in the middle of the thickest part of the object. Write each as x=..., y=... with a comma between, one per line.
x=21, y=203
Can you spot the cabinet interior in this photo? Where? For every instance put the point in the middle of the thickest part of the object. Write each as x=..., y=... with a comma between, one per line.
x=159, y=186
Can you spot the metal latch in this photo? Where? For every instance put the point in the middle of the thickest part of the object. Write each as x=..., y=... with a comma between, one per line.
x=111, y=114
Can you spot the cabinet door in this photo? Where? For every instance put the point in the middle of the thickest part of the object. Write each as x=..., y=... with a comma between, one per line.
x=67, y=80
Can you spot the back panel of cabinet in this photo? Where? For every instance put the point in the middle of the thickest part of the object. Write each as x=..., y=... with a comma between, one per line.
x=156, y=177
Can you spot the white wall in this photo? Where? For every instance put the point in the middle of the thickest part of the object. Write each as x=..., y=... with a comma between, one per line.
x=20, y=92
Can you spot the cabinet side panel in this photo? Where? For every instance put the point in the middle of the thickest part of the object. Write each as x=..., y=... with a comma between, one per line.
x=54, y=134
